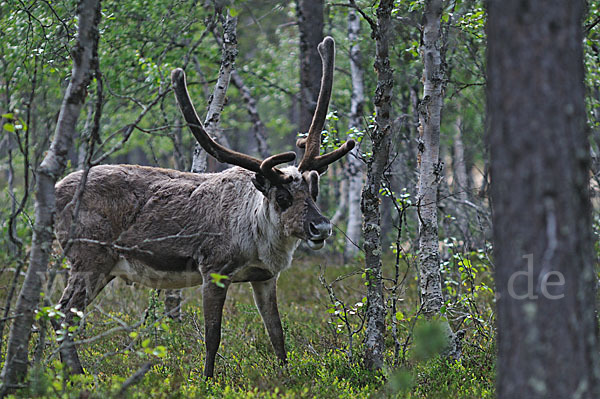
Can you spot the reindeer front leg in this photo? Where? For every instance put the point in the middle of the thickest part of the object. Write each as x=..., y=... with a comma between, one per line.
x=213, y=299
x=265, y=297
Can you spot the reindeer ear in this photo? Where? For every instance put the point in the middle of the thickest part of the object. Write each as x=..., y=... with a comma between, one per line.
x=312, y=178
x=261, y=183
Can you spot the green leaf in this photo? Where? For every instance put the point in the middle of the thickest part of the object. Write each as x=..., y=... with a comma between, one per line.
x=8, y=115
x=216, y=279
x=399, y=315
x=160, y=351
x=9, y=127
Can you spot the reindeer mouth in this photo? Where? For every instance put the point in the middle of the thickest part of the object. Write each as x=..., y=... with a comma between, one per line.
x=316, y=244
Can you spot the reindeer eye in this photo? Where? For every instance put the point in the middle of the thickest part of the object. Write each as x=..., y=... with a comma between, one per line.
x=283, y=198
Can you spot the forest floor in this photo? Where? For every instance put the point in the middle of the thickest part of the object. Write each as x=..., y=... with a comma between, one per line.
x=125, y=330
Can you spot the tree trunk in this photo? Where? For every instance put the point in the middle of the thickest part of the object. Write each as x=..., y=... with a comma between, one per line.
x=430, y=167
x=213, y=116
x=211, y=123
x=545, y=279
x=354, y=166
x=85, y=57
x=370, y=205
x=260, y=131
x=310, y=25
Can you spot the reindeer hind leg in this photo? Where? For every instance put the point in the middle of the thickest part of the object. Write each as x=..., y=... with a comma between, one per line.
x=82, y=287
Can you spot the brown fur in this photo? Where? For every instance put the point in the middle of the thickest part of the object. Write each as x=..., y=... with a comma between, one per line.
x=208, y=217
x=168, y=229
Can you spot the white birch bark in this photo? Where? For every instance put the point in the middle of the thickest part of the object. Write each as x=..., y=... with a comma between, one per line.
x=430, y=109
x=211, y=123
x=213, y=116
x=354, y=167
x=430, y=169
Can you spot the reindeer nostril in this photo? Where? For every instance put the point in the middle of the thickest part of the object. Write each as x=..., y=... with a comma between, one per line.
x=320, y=230
x=314, y=230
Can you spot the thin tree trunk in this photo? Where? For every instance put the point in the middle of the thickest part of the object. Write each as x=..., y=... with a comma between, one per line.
x=310, y=25
x=354, y=166
x=213, y=116
x=173, y=299
x=211, y=123
x=430, y=169
x=81, y=154
x=540, y=158
x=52, y=167
x=260, y=131
x=461, y=183
x=371, y=204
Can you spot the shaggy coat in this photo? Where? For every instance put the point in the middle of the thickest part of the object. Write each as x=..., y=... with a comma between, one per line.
x=168, y=229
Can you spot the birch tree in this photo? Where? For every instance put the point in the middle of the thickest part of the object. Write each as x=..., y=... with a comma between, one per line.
x=354, y=166
x=217, y=99
x=260, y=130
x=211, y=123
x=540, y=161
x=85, y=59
x=431, y=168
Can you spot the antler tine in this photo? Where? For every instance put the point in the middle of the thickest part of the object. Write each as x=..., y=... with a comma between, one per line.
x=312, y=143
x=222, y=154
x=274, y=175
x=321, y=162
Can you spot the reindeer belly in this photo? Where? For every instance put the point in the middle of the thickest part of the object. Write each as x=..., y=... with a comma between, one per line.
x=136, y=271
x=252, y=273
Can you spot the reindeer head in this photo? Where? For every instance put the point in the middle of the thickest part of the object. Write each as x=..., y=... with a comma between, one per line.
x=293, y=206
x=291, y=192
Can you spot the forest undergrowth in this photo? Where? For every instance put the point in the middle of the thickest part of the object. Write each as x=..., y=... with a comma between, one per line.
x=130, y=349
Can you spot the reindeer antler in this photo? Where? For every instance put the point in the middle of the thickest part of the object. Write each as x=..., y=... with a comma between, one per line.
x=312, y=143
x=223, y=154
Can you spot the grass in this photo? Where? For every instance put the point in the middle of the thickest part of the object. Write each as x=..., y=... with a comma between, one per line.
x=317, y=347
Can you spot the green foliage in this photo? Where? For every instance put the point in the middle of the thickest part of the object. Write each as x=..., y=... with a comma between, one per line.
x=442, y=378
x=247, y=368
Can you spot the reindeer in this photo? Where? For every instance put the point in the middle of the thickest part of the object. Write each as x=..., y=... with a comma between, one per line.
x=168, y=229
